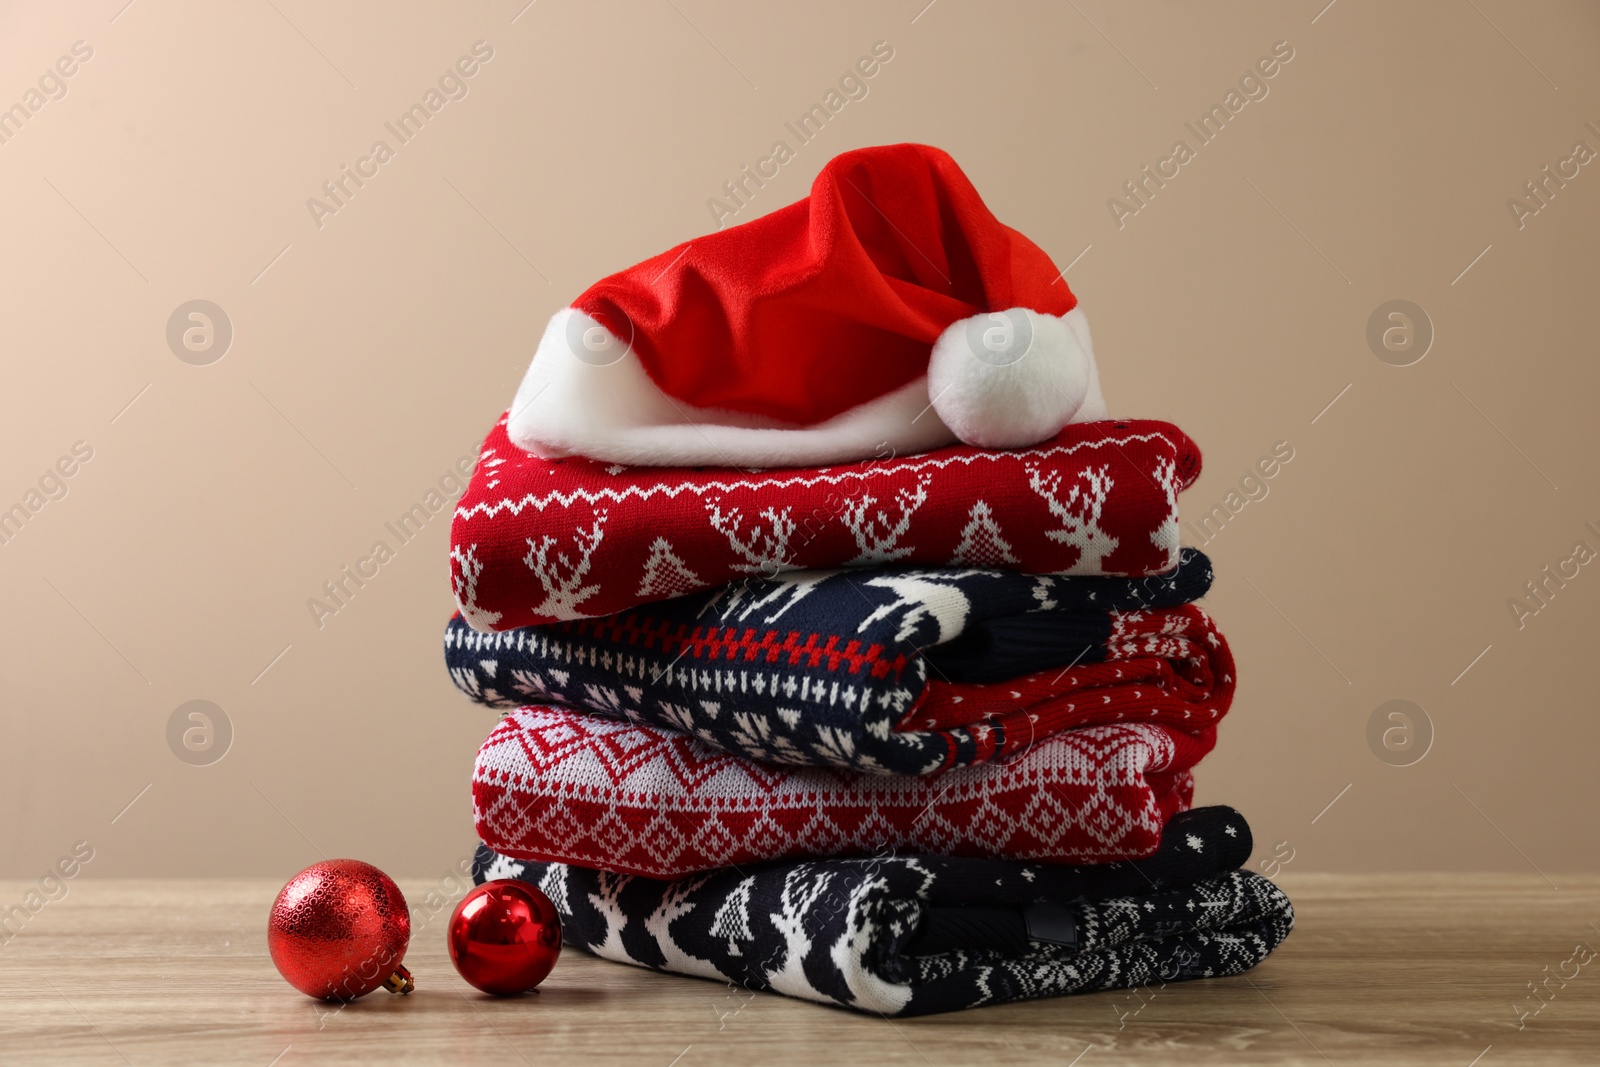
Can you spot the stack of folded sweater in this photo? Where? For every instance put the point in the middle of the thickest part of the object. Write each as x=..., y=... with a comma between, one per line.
x=822, y=687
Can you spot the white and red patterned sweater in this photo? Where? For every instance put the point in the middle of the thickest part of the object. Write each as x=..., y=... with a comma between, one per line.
x=537, y=540
x=560, y=785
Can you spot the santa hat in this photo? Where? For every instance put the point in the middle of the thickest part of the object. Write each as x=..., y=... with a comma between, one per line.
x=888, y=312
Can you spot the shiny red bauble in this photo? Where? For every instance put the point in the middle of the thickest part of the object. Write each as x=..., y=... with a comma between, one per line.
x=339, y=930
x=505, y=937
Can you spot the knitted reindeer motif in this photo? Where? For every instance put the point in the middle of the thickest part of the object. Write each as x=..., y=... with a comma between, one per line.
x=922, y=598
x=802, y=888
x=764, y=551
x=877, y=538
x=1079, y=515
x=465, y=570
x=610, y=911
x=790, y=588
x=861, y=928
x=554, y=886
x=674, y=906
x=1165, y=536
x=561, y=574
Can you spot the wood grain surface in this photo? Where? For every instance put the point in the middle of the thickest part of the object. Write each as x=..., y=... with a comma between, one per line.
x=1392, y=969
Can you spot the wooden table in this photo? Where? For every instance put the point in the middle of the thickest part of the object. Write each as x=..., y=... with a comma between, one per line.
x=1418, y=969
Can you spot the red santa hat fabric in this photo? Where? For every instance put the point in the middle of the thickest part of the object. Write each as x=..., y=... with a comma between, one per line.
x=889, y=311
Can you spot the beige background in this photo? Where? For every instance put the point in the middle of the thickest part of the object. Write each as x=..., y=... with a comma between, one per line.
x=372, y=353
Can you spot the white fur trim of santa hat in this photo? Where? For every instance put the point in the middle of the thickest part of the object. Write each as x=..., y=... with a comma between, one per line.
x=1010, y=379
x=588, y=394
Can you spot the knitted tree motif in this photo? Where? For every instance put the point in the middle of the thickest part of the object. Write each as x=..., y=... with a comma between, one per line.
x=732, y=920
x=877, y=536
x=562, y=574
x=466, y=680
x=665, y=573
x=532, y=684
x=982, y=544
x=764, y=550
x=1079, y=514
x=465, y=570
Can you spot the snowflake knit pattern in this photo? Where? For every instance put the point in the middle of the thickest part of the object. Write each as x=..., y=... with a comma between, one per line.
x=914, y=935
x=541, y=540
x=889, y=670
x=560, y=785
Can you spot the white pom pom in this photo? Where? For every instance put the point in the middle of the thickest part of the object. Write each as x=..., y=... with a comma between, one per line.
x=1009, y=379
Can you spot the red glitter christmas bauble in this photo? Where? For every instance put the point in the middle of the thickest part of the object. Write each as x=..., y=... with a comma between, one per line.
x=505, y=937
x=339, y=930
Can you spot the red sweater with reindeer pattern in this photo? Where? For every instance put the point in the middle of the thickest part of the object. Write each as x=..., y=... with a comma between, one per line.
x=542, y=540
